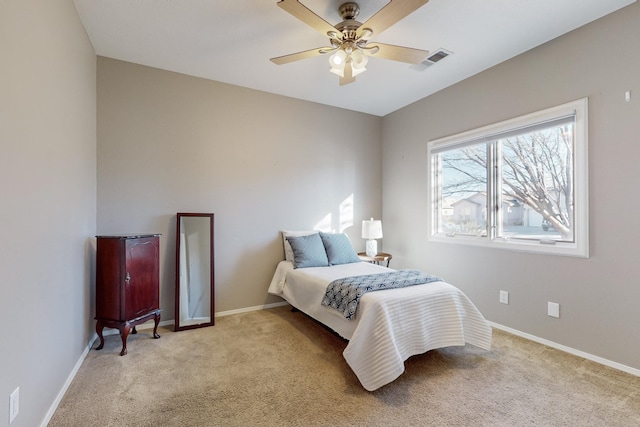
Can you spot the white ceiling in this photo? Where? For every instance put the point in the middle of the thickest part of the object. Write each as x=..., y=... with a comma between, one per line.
x=231, y=41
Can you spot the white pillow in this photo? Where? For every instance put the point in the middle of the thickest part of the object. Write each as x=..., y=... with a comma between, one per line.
x=288, y=252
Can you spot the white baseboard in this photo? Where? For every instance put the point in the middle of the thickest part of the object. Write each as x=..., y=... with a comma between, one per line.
x=588, y=356
x=66, y=385
x=248, y=309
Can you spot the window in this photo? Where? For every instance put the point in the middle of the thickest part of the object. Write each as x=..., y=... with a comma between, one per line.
x=521, y=184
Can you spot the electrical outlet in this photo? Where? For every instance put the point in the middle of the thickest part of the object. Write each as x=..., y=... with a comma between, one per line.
x=504, y=297
x=14, y=404
x=553, y=309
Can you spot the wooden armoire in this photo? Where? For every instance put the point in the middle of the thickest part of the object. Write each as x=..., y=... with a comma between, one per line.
x=127, y=284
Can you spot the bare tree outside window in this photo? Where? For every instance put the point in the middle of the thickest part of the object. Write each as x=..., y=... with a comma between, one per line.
x=537, y=170
x=464, y=190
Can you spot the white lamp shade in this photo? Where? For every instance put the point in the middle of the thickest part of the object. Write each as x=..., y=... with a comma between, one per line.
x=337, y=71
x=338, y=59
x=358, y=59
x=372, y=229
x=356, y=71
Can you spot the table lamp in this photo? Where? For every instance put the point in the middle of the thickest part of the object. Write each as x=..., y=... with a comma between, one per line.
x=371, y=230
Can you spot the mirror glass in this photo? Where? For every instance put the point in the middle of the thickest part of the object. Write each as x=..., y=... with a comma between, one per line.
x=194, y=271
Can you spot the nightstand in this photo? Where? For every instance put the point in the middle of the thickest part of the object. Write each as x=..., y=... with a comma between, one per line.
x=380, y=257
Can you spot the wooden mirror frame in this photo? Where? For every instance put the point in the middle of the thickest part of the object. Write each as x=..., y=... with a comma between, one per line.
x=211, y=322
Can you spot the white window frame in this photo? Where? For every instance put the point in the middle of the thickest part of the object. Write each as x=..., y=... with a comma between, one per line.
x=579, y=247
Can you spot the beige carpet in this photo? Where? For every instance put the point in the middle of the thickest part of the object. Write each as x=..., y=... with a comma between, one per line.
x=280, y=368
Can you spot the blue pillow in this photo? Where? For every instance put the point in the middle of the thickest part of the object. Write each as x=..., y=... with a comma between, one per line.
x=339, y=249
x=308, y=251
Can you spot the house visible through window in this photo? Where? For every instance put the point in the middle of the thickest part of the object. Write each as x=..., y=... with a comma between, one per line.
x=519, y=184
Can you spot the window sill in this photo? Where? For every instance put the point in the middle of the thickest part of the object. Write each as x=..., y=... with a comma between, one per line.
x=531, y=246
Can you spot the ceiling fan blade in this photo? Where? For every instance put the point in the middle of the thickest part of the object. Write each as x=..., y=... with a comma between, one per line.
x=298, y=56
x=304, y=14
x=399, y=53
x=393, y=12
x=348, y=76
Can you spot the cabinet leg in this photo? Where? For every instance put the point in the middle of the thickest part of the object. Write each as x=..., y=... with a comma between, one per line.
x=134, y=331
x=99, y=328
x=156, y=321
x=124, y=333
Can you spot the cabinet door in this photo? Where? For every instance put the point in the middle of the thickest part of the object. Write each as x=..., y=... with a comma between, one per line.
x=109, y=277
x=141, y=277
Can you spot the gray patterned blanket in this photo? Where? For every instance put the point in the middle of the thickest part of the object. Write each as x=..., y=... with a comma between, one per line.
x=344, y=294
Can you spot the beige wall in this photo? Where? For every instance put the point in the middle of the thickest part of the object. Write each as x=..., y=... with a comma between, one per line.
x=261, y=163
x=597, y=296
x=47, y=200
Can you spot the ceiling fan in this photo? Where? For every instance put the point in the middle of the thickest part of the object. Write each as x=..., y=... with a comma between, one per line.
x=349, y=40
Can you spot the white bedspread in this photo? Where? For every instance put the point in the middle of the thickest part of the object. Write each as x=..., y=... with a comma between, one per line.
x=390, y=325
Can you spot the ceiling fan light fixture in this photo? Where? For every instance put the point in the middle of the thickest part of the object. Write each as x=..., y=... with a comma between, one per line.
x=358, y=59
x=338, y=59
x=338, y=71
x=355, y=71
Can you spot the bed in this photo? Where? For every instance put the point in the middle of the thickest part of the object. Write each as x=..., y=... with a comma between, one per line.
x=389, y=325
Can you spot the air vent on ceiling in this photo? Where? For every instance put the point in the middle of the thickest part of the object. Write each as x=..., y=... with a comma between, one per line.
x=439, y=55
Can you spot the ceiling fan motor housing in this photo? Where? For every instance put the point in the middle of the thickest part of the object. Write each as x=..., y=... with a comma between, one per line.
x=349, y=26
x=349, y=10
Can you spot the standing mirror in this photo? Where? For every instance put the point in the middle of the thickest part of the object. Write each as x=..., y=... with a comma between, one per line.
x=194, y=271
